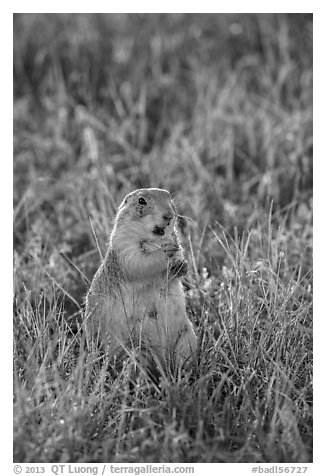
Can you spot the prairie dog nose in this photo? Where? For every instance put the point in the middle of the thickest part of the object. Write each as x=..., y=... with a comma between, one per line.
x=168, y=216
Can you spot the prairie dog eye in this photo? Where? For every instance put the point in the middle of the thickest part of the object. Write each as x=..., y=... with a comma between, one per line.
x=142, y=201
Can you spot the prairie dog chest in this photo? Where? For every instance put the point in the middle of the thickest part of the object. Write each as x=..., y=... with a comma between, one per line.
x=154, y=300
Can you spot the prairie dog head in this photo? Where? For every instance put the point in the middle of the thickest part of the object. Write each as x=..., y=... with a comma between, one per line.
x=148, y=212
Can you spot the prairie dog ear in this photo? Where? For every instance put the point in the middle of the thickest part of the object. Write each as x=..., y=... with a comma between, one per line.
x=124, y=201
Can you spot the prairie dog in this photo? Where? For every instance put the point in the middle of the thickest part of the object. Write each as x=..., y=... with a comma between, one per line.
x=136, y=300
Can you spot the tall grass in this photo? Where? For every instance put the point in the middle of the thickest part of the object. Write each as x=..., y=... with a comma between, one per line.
x=217, y=109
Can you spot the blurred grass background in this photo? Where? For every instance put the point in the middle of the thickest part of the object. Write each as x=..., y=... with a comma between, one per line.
x=217, y=108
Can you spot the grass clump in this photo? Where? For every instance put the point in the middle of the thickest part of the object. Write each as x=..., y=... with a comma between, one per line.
x=217, y=109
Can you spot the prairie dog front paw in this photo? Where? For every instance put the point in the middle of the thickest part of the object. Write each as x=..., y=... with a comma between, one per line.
x=170, y=248
x=148, y=246
x=178, y=268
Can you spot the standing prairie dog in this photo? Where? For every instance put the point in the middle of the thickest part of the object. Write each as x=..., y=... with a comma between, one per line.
x=136, y=301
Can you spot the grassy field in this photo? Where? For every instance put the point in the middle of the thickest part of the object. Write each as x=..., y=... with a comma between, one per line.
x=218, y=110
